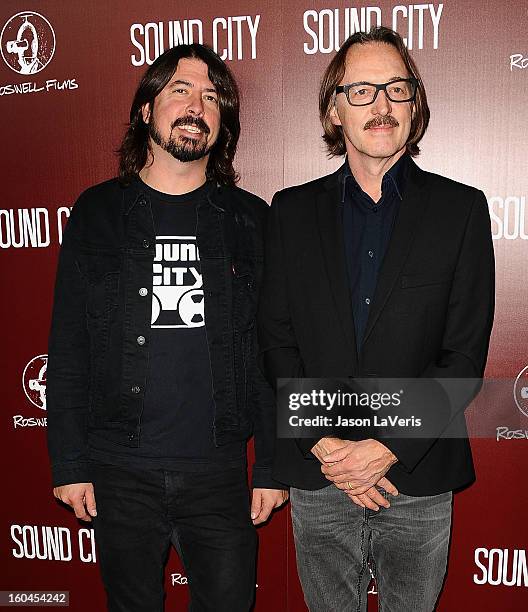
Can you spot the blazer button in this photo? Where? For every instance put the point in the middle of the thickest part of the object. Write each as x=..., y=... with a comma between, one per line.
x=142, y=202
x=146, y=244
x=136, y=389
x=131, y=436
x=140, y=340
x=143, y=291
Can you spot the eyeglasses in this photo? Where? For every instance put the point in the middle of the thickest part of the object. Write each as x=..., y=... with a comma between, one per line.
x=362, y=94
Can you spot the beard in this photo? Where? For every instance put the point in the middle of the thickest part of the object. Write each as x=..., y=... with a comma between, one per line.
x=182, y=148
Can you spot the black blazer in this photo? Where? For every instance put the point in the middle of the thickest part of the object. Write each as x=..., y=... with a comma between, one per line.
x=431, y=315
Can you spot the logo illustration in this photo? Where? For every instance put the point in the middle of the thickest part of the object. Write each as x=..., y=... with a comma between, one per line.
x=34, y=381
x=177, y=298
x=520, y=391
x=27, y=42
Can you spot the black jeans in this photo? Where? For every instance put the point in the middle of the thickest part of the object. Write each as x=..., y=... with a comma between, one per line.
x=206, y=516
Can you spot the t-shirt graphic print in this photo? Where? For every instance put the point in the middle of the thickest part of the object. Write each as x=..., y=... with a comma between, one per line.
x=177, y=292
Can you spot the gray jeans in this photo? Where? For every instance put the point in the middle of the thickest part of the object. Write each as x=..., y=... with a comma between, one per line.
x=406, y=546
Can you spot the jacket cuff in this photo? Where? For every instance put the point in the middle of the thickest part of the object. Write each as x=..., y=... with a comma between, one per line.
x=408, y=455
x=262, y=480
x=305, y=445
x=70, y=473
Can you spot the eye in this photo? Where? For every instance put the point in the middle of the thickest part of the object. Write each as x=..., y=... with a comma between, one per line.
x=211, y=98
x=358, y=91
x=180, y=90
x=361, y=92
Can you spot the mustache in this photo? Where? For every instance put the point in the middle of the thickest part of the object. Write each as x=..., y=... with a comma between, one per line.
x=189, y=120
x=379, y=120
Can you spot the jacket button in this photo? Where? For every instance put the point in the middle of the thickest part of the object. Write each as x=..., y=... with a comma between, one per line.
x=136, y=389
x=140, y=340
x=146, y=244
x=142, y=202
x=131, y=436
x=143, y=291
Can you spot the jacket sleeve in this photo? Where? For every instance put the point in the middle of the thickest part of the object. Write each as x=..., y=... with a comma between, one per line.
x=264, y=433
x=279, y=352
x=68, y=367
x=264, y=419
x=466, y=335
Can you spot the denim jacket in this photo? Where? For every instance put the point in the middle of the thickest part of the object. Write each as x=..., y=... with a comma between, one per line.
x=99, y=340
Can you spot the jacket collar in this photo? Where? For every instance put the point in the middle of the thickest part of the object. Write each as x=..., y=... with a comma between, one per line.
x=133, y=193
x=394, y=178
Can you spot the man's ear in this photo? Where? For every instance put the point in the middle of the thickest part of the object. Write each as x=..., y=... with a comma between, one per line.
x=334, y=117
x=145, y=112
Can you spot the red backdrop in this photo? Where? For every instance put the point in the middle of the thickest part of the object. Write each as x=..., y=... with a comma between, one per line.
x=64, y=115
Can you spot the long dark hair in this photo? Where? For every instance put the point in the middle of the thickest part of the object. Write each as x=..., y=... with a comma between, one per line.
x=333, y=134
x=135, y=147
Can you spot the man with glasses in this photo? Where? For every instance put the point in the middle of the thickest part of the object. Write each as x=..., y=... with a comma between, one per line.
x=380, y=270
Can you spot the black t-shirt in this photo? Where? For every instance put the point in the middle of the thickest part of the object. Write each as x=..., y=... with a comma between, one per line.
x=178, y=414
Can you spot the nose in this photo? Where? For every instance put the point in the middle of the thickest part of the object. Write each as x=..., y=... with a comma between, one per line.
x=195, y=105
x=382, y=104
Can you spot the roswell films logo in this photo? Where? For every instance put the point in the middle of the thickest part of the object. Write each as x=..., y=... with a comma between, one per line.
x=520, y=397
x=34, y=379
x=520, y=391
x=27, y=46
x=28, y=42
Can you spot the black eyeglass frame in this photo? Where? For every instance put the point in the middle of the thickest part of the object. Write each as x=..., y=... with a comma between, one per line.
x=379, y=87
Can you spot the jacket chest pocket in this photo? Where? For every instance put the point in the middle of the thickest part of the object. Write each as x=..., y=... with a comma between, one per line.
x=102, y=295
x=102, y=273
x=417, y=292
x=425, y=279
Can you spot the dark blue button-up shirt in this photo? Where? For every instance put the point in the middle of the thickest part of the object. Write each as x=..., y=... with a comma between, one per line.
x=367, y=227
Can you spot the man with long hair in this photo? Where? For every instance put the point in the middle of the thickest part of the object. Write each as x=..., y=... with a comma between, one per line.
x=153, y=387
x=378, y=271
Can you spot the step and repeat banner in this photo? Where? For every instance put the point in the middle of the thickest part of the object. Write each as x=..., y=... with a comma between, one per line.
x=68, y=72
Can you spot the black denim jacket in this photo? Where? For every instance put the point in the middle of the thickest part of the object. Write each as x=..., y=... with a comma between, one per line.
x=97, y=368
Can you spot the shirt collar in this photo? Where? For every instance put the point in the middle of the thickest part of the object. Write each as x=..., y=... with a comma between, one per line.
x=394, y=177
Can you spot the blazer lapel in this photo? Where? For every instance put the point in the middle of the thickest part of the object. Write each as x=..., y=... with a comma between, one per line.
x=412, y=208
x=330, y=225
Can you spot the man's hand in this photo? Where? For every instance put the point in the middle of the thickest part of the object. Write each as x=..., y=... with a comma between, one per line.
x=372, y=498
x=80, y=497
x=357, y=466
x=263, y=501
x=325, y=446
